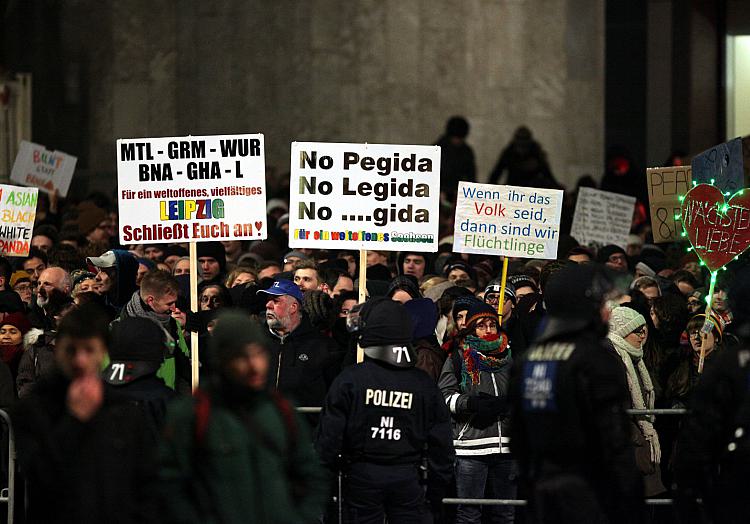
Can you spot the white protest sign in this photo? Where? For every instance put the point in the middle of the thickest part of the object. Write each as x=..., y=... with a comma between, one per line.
x=602, y=218
x=17, y=215
x=194, y=188
x=48, y=170
x=507, y=220
x=364, y=196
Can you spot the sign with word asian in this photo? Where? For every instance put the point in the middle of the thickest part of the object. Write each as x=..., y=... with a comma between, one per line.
x=193, y=188
x=36, y=166
x=665, y=187
x=602, y=218
x=364, y=196
x=17, y=215
x=507, y=220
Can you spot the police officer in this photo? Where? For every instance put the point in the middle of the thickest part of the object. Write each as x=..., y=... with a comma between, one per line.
x=384, y=417
x=712, y=457
x=570, y=432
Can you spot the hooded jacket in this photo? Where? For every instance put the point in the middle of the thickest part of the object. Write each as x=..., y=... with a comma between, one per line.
x=124, y=286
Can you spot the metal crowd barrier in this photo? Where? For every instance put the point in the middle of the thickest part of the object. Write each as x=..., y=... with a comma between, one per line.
x=8, y=495
x=521, y=502
x=680, y=411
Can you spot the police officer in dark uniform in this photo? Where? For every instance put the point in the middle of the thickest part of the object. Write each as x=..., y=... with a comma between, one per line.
x=384, y=418
x=712, y=456
x=570, y=432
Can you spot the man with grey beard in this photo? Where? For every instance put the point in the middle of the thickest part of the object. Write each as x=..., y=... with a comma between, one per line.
x=54, y=287
x=304, y=362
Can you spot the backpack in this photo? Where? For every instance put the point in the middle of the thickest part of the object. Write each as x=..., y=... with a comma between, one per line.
x=202, y=416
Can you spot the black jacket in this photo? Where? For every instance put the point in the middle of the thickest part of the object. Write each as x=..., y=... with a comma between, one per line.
x=303, y=364
x=569, y=422
x=386, y=415
x=102, y=470
x=151, y=395
x=712, y=456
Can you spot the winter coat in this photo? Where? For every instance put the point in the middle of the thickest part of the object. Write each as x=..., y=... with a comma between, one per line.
x=247, y=467
x=38, y=360
x=475, y=434
x=304, y=364
x=151, y=395
x=98, y=471
x=571, y=434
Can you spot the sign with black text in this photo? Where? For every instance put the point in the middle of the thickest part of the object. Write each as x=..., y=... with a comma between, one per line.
x=602, y=218
x=364, y=196
x=193, y=188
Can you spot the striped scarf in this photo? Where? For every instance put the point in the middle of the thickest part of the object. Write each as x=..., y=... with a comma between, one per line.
x=482, y=354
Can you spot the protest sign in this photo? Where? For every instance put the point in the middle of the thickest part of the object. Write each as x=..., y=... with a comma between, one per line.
x=507, y=220
x=718, y=228
x=188, y=189
x=665, y=187
x=602, y=218
x=364, y=196
x=720, y=166
x=48, y=170
x=17, y=214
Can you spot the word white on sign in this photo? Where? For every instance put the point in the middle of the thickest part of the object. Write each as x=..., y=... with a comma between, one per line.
x=17, y=215
x=602, y=218
x=193, y=188
x=36, y=166
x=364, y=196
x=507, y=220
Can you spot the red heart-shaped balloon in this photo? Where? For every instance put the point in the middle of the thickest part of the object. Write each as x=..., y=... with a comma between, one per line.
x=719, y=230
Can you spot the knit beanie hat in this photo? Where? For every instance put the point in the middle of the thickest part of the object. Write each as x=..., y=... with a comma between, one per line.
x=405, y=283
x=175, y=251
x=624, y=320
x=478, y=311
x=718, y=325
x=385, y=322
x=18, y=321
x=464, y=303
x=424, y=314
x=607, y=251
x=89, y=217
x=19, y=276
x=233, y=332
x=214, y=250
x=522, y=281
x=378, y=272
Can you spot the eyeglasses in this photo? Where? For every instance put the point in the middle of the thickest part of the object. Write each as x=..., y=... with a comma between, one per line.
x=617, y=258
x=641, y=331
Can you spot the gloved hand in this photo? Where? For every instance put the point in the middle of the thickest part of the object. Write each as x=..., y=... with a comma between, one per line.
x=485, y=404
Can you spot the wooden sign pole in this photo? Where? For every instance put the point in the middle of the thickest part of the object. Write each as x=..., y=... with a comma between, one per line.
x=194, y=358
x=707, y=325
x=362, y=292
x=501, y=300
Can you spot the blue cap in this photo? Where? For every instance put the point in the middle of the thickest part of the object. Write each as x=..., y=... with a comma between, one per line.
x=283, y=287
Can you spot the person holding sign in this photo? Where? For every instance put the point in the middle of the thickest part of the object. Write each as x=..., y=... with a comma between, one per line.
x=474, y=382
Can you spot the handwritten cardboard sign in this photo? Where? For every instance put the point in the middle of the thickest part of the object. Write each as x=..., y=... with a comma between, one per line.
x=665, y=187
x=17, y=215
x=507, y=220
x=718, y=229
x=192, y=188
x=720, y=166
x=602, y=218
x=36, y=166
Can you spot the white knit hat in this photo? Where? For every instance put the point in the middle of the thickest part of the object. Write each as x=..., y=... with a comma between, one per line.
x=624, y=320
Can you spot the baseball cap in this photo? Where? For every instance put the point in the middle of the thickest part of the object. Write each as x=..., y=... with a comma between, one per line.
x=283, y=287
x=104, y=261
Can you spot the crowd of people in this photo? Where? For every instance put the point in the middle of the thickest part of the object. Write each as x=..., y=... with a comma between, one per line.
x=95, y=369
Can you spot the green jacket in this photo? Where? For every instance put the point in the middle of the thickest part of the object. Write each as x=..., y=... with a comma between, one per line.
x=236, y=474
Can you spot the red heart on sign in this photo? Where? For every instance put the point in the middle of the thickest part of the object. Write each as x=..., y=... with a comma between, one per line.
x=718, y=230
x=258, y=225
